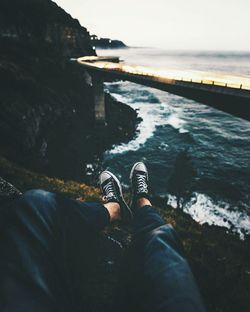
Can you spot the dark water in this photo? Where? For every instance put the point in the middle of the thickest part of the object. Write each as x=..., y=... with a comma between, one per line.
x=218, y=143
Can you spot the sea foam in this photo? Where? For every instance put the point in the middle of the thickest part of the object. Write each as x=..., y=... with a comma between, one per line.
x=204, y=210
x=152, y=115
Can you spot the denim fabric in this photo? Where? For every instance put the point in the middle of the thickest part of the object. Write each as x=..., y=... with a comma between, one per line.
x=164, y=276
x=47, y=246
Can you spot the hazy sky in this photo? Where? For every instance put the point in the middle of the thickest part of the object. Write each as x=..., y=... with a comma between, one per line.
x=175, y=24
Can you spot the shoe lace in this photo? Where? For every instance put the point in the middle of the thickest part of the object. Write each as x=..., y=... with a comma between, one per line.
x=142, y=186
x=109, y=191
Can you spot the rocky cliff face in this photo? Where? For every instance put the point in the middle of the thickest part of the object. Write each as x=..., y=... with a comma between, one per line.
x=41, y=24
x=46, y=110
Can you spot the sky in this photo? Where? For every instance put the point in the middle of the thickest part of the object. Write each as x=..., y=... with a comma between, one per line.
x=169, y=24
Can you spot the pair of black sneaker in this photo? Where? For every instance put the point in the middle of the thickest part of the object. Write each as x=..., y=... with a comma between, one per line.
x=112, y=190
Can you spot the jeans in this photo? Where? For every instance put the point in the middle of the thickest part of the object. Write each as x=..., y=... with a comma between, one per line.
x=47, y=247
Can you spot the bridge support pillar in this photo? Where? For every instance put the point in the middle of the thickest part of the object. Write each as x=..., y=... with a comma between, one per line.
x=99, y=99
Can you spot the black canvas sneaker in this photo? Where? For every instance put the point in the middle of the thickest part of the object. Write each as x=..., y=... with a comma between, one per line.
x=112, y=192
x=139, y=183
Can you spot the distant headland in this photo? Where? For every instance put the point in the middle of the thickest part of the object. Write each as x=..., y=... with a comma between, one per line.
x=106, y=43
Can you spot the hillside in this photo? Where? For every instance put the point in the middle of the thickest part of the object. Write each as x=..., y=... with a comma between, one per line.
x=46, y=116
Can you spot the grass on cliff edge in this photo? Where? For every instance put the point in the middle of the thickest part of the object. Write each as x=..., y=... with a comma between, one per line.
x=220, y=261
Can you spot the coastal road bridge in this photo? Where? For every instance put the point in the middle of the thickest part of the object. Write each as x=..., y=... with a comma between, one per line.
x=229, y=93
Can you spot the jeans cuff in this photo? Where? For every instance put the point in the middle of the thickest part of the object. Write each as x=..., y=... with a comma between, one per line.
x=100, y=215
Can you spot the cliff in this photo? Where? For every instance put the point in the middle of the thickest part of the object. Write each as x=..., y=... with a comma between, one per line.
x=46, y=112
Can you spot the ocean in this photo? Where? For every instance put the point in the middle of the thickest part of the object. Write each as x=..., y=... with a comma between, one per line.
x=217, y=143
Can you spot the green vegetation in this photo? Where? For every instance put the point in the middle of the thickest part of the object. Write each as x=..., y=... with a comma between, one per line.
x=220, y=260
x=25, y=180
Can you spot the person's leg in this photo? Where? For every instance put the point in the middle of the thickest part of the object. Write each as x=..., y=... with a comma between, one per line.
x=169, y=282
x=46, y=246
x=49, y=248
x=165, y=280
x=146, y=218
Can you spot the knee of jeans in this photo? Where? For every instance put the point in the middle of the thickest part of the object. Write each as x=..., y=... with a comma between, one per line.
x=168, y=234
x=166, y=231
x=37, y=197
x=163, y=229
x=37, y=194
